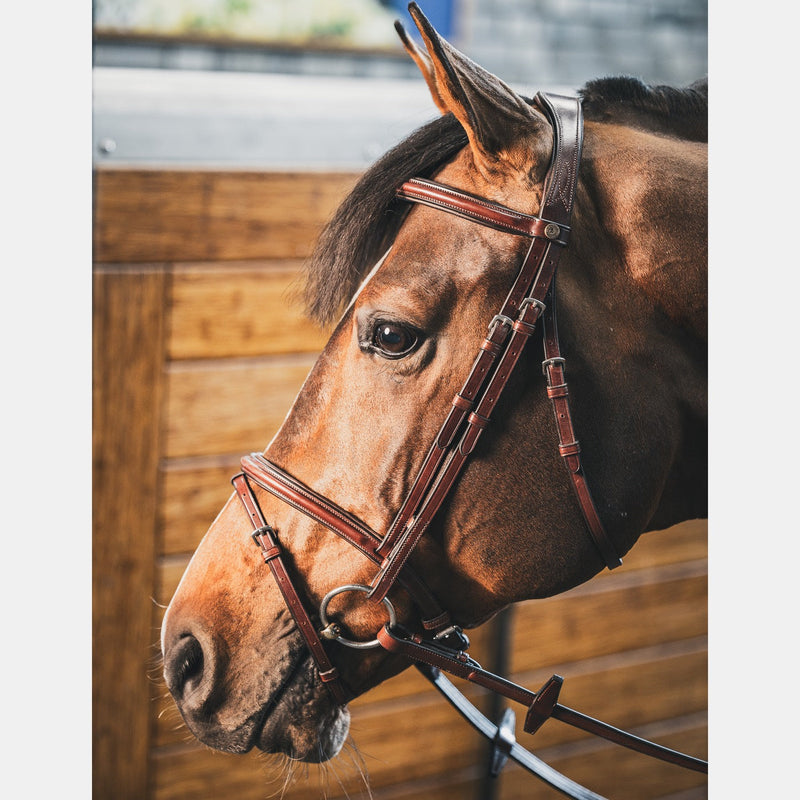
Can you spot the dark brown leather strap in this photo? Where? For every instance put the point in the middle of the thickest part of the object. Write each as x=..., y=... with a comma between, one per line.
x=542, y=704
x=566, y=117
x=568, y=447
x=469, y=206
x=264, y=536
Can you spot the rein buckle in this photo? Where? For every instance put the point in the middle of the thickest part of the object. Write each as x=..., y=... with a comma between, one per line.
x=453, y=637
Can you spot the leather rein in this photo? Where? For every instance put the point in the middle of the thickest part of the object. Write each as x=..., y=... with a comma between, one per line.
x=442, y=647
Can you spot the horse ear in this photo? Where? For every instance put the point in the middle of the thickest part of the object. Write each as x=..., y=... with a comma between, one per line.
x=504, y=131
x=425, y=66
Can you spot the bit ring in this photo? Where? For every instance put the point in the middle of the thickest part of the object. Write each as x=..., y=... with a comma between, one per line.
x=330, y=630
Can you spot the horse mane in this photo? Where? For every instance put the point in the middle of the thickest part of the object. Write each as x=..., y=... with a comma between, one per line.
x=663, y=109
x=367, y=221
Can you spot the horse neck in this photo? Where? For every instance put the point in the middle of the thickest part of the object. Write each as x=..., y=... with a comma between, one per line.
x=633, y=303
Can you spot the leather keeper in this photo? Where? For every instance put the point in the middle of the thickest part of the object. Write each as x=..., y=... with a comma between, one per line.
x=477, y=420
x=525, y=328
x=491, y=346
x=562, y=390
x=268, y=553
x=542, y=707
x=569, y=449
x=462, y=403
x=329, y=675
x=469, y=441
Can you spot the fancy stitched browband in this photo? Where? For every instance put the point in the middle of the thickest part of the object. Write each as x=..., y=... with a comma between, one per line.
x=532, y=296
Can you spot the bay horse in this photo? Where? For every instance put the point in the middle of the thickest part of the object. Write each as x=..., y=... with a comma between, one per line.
x=414, y=265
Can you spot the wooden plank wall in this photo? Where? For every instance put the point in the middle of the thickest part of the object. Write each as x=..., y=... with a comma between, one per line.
x=199, y=352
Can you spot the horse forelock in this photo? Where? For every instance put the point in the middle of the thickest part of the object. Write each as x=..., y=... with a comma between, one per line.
x=368, y=220
x=366, y=223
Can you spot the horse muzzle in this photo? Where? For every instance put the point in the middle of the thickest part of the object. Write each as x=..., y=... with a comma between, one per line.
x=268, y=697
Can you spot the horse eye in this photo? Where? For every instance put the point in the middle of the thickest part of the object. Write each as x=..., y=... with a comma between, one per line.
x=393, y=340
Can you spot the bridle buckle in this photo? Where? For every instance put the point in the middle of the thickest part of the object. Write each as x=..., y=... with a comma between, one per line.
x=259, y=533
x=454, y=637
x=552, y=362
x=532, y=301
x=502, y=319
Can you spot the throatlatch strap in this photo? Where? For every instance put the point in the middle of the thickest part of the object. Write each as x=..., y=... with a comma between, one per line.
x=568, y=447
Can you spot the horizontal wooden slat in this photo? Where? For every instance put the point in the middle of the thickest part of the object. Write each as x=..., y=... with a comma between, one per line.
x=229, y=406
x=239, y=309
x=686, y=541
x=192, y=493
x=667, y=605
x=146, y=215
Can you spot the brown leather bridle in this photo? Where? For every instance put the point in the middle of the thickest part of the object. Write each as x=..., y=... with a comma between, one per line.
x=531, y=297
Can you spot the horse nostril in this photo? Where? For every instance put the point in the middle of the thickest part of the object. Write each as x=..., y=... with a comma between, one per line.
x=184, y=669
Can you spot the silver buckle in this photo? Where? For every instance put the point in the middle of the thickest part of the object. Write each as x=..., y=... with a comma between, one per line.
x=503, y=319
x=552, y=361
x=532, y=301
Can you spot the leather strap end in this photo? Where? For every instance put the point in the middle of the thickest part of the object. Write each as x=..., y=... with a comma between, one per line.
x=382, y=582
x=437, y=622
x=452, y=423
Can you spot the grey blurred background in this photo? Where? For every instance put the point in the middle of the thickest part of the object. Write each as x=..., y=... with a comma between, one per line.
x=326, y=84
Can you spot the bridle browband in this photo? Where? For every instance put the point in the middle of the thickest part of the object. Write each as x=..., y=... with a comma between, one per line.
x=531, y=297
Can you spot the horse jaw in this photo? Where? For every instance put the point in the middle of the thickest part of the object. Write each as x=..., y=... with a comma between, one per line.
x=237, y=683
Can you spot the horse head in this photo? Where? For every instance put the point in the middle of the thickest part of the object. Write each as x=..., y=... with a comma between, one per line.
x=413, y=290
